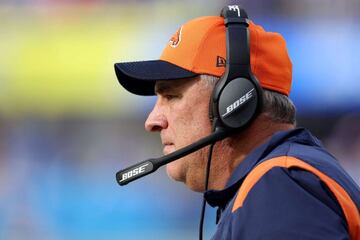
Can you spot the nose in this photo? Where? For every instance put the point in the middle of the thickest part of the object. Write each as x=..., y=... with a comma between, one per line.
x=156, y=120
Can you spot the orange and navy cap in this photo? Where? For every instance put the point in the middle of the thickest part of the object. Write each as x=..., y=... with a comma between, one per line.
x=199, y=47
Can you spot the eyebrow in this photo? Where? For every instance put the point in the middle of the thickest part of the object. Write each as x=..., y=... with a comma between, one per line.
x=171, y=86
x=162, y=87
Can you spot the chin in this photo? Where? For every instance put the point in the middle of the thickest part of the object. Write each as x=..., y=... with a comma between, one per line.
x=175, y=171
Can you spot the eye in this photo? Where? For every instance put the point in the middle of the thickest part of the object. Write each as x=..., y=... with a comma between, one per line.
x=171, y=96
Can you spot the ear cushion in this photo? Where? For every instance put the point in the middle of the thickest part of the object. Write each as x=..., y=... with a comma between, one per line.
x=212, y=105
x=211, y=111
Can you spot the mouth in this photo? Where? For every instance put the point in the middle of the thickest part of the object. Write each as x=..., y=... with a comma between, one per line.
x=168, y=148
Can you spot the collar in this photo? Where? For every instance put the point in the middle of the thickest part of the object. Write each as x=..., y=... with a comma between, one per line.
x=220, y=198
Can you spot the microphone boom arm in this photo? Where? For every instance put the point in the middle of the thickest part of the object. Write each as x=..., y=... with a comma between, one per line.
x=146, y=167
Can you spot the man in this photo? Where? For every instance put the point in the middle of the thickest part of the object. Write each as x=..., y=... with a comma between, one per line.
x=269, y=180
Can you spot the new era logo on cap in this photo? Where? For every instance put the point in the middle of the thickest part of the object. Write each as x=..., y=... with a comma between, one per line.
x=220, y=61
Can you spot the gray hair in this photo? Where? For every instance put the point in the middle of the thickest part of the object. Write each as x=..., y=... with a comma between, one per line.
x=278, y=107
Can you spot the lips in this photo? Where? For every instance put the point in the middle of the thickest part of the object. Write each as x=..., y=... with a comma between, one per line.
x=168, y=148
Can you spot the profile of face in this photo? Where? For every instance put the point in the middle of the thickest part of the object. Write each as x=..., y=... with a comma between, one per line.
x=180, y=115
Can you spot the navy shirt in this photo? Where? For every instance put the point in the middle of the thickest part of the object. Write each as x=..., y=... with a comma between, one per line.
x=288, y=188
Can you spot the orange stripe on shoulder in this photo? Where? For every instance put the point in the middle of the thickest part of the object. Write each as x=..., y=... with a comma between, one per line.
x=348, y=206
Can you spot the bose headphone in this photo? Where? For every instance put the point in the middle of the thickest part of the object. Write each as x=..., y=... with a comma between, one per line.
x=237, y=96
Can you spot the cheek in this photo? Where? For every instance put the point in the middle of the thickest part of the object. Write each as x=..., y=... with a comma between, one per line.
x=200, y=118
x=195, y=122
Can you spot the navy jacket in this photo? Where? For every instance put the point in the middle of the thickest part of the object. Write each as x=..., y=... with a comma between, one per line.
x=288, y=188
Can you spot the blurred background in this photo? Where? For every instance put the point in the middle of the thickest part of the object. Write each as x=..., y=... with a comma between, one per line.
x=66, y=126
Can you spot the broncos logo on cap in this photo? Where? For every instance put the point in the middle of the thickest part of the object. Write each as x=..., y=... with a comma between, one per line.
x=176, y=38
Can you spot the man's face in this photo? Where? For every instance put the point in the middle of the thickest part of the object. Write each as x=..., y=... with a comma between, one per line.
x=181, y=116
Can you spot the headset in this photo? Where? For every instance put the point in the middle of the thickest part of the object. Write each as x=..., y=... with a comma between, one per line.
x=237, y=96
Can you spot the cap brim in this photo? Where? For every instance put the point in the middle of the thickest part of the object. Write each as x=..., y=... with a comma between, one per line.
x=140, y=77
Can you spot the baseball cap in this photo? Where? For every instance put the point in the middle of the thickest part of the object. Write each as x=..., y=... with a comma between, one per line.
x=199, y=47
